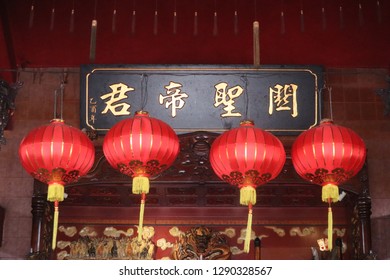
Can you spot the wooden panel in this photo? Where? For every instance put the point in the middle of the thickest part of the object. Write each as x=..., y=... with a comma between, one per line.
x=277, y=241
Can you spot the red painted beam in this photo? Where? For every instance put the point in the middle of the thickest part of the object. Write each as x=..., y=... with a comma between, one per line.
x=202, y=215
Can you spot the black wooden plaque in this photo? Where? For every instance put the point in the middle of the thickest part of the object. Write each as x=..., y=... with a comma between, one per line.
x=284, y=100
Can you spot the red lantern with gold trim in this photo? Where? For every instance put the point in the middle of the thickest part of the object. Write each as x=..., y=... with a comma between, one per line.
x=328, y=155
x=141, y=147
x=247, y=157
x=56, y=154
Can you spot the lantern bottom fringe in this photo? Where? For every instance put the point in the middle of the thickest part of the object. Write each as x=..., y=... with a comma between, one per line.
x=55, y=226
x=55, y=192
x=330, y=229
x=141, y=217
x=248, y=233
x=140, y=185
x=330, y=191
x=247, y=195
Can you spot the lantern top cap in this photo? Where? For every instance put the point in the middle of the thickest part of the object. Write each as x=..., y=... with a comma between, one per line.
x=247, y=123
x=141, y=113
x=326, y=121
x=57, y=121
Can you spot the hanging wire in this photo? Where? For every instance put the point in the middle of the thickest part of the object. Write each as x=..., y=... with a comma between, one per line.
x=144, y=90
x=341, y=15
x=71, y=21
x=113, y=25
x=60, y=92
x=235, y=19
x=95, y=9
x=328, y=89
x=361, y=17
x=215, y=26
x=53, y=12
x=92, y=47
x=378, y=11
x=155, y=25
x=246, y=94
x=133, y=19
x=302, y=16
x=323, y=15
x=256, y=44
x=32, y=11
x=174, y=19
x=330, y=103
x=255, y=10
x=282, y=23
x=59, y=101
x=256, y=39
x=196, y=19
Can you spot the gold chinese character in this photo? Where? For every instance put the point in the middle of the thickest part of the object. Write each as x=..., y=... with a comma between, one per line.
x=283, y=98
x=174, y=97
x=117, y=94
x=227, y=98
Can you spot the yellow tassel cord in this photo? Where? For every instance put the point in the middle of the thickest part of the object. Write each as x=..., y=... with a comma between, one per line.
x=330, y=193
x=248, y=234
x=140, y=185
x=141, y=216
x=55, y=225
x=247, y=195
x=330, y=228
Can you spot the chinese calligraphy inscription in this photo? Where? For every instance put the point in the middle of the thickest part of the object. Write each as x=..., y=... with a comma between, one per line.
x=225, y=96
x=283, y=98
x=174, y=97
x=118, y=93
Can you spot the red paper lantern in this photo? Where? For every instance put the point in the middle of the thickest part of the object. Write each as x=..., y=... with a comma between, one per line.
x=247, y=157
x=56, y=154
x=141, y=147
x=328, y=155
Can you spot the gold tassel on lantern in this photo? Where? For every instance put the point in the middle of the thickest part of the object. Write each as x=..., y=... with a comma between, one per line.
x=330, y=228
x=55, y=225
x=140, y=185
x=55, y=192
x=330, y=193
x=247, y=195
x=248, y=234
x=141, y=216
